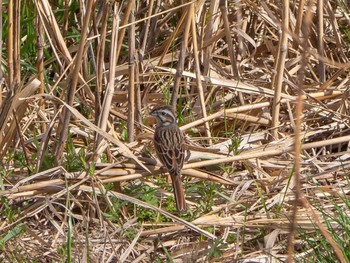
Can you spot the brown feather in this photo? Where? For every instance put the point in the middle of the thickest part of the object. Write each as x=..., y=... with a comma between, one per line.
x=169, y=142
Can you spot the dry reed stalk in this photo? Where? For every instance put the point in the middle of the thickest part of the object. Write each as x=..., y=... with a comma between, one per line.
x=181, y=60
x=66, y=18
x=277, y=81
x=32, y=187
x=141, y=80
x=337, y=36
x=229, y=40
x=124, y=25
x=320, y=37
x=21, y=140
x=223, y=113
x=299, y=21
x=138, y=95
x=248, y=118
x=101, y=47
x=146, y=31
x=16, y=44
x=40, y=61
x=242, y=27
x=10, y=44
x=131, y=67
x=72, y=86
x=210, y=28
x=107, y=100
x=170, y=41
x=198, y=73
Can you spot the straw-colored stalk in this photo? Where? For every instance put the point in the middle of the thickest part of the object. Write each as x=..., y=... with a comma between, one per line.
x=107, y=100
x=277, y=82
x=10, y=45
x=100, y=77
x=131, y=90
x=320, y=23
x=16, y=45
x=181, y=61
x=198, y=72
x=40, y=61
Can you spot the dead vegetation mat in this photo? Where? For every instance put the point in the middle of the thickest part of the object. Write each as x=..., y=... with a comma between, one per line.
x=261, y=92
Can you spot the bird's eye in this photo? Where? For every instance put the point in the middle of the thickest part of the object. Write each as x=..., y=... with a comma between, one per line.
x=163, y=113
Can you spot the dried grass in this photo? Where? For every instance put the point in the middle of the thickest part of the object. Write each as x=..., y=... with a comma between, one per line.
x=265, y=110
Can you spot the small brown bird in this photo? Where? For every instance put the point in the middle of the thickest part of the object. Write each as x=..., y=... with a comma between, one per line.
x=169, y=143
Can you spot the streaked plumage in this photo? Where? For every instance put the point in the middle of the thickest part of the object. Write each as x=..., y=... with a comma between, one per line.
x=168, y=142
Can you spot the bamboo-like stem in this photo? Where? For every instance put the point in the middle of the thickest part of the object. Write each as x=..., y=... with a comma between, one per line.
x=181, y=62
x=299, y=22
x=210, y=29
x=279, y=70
x=106, y=105
x=124, y=22
x=72, y=84
x=66, y=17
x=321, y=66
x=242, y=25
x=100, y=61
x=10, y=46
x=16, y=44
x=198, y=72
x=229, y=40
x=40, y=53
x=334, y=24
x=140, y=98
x=146, y=31
x=233, y=60
x=170, y=41
x=40, y=60
x=131, y=91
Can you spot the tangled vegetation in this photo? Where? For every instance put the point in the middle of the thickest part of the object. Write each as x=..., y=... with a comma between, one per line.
x=260, y=89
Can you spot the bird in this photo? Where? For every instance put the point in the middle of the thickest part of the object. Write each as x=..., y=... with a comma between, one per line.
x=169, y=144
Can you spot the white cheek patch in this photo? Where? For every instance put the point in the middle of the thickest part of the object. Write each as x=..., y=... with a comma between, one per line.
x=166, y=123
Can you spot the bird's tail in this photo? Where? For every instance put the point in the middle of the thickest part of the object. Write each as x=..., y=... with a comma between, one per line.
x=179, y=193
